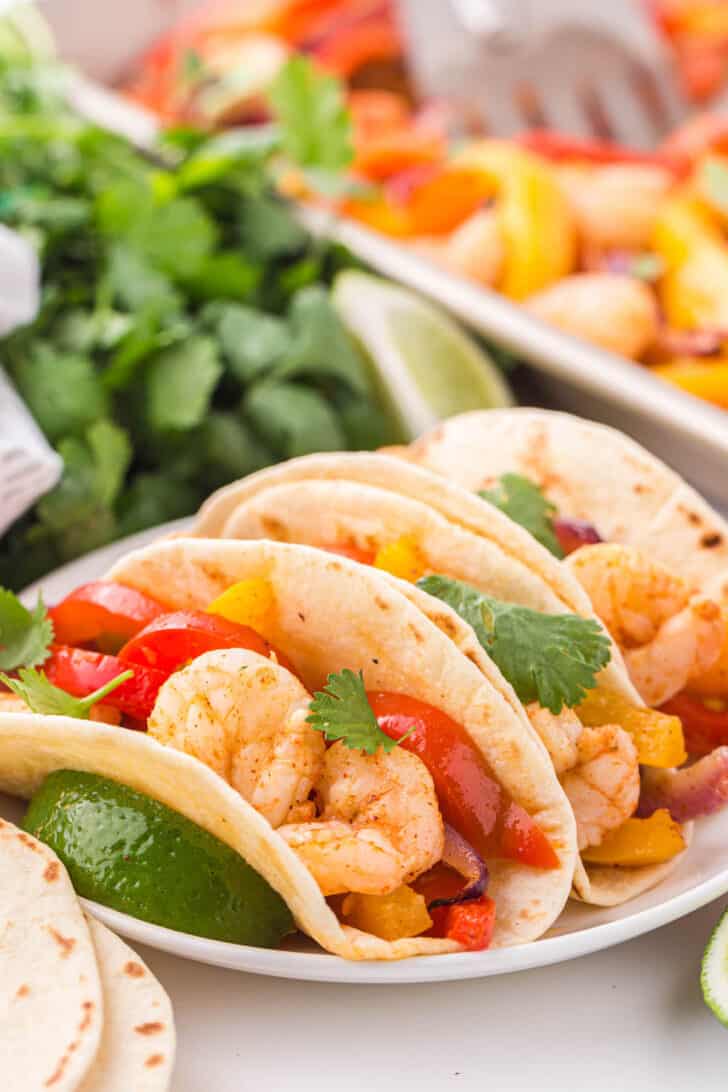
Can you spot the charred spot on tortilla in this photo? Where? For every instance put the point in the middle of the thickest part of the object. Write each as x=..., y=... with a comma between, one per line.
x=28, y=841
x=692, y=517
x=154, y=1060
x=134, y=970
x=66, y=944
x=444, y=623
x=711, y=540
x=273, y=527
x=152, y=1028
x=88, y=1008
x=379, y=602
x=22, y=991
x=418, y=636
x=52, y=871
x=302, y=616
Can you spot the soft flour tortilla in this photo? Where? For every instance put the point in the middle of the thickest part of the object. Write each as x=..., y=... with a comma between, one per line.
x=590, y=472
x=50, y=994
x=138, y=1039
x=330, y=614
x=368, y=498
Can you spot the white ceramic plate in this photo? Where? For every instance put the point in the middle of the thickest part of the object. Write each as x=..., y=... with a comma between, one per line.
x=701, y=877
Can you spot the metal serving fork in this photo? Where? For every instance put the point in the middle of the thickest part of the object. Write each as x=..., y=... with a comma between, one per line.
x=586, y=67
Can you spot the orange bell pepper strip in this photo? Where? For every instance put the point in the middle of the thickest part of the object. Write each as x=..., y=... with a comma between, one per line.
x=535, y=216
x=380, y=157
x=658, y=737
x=703, y=379
x=639, y=842
x=443, y=198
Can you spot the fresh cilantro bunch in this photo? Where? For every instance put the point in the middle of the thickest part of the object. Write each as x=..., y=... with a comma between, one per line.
x=41, y=696
x=186, y=335
x=523, y=501
x=549, y=658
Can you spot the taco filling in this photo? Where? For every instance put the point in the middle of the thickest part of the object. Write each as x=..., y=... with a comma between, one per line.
x=385, y=798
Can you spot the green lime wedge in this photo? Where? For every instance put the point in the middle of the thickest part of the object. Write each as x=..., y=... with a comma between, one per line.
x=424, y=365
x=714, y=973
x=129, y=852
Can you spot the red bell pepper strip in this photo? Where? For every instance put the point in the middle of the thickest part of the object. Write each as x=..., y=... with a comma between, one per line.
x=79, y=671
x=560, y=147
x=103, y=609
x=355, y=553
x=469, y=923
x=704, y=728
x=174, y=639
x=470, y=798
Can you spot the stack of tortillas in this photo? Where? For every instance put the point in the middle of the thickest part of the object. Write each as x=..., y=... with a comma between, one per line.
x=78, y=1008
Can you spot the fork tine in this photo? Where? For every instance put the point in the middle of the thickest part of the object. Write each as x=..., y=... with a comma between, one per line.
x=626, y=114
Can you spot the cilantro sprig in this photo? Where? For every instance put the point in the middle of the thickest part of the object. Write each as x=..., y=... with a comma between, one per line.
x=523, y=501
x=25, y=636
x=342, y=711
x=39, y=693
x=549, y=658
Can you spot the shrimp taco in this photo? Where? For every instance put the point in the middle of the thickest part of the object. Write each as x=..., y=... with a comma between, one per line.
x=530, y=615
x=647, y=548
x=295, y=719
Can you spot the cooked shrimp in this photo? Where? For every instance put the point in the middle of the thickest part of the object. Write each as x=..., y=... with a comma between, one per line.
x=604, y=786
x=597, y=767
x=668, y=635
x=616, y=205
x=245, y=717
x=612, y=310
x=474, y=250
x=379, y=823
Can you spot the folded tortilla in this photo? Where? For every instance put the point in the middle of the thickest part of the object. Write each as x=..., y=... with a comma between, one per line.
x=329, y=614
x=372, y=500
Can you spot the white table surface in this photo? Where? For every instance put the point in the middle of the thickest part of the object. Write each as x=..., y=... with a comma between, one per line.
x=627, y=1018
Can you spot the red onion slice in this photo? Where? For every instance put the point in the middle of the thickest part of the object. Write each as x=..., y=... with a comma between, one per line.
x=461, y=857
x=573, y=533
x=689, y=793
x=691, y=342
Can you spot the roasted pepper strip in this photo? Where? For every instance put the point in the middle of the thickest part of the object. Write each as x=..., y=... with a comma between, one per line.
x=658, y=737
x=708, y=381
x=705, y=725
x=402, y=558
x=535, y=217
x=639, y=842
x=694, y=289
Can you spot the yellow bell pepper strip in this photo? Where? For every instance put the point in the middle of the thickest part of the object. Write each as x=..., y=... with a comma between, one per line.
x=639, y=842
x=535, y=216
x=694, y=289
x=402, y=558
x=703, y=379
x=249, y=603
x=402, y=913
x=658, y=737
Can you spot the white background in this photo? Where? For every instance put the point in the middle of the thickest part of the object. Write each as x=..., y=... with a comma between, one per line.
x=630, y=1018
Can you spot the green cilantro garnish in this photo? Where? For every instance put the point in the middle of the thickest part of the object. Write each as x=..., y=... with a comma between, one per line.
x=42, y=696
x=524, y=502
x=25, y=636
x=342, y=711
x=549, y=658
x=310, y=109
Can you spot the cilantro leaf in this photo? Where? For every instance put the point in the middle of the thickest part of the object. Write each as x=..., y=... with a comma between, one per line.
x=42, y=696
x=549, y=658
x=250, y=340
x=523, y=501
x=111, y=453
x=342, y=711
x=321, y=344
x=62, y=390
x=25, y=636
x=180, y=382
x=311, y=111
x=292, y=419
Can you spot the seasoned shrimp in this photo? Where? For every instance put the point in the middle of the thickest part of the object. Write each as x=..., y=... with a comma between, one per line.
x=474, y=250
x=379, y=823
x=245, y=717
x=612, y=310
x=668, y=635
x=616, y=205
x=597, y=767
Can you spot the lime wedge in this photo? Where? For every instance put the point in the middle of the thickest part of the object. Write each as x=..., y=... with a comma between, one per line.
x=714, y=973
x=424, y=366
